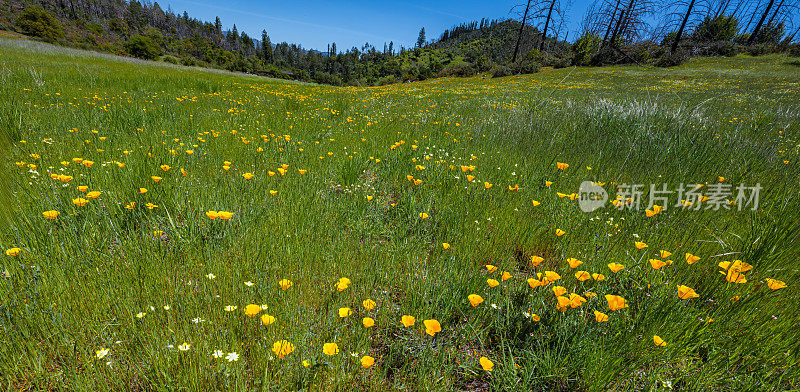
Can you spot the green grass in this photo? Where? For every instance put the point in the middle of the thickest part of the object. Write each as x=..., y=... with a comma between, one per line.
x=80, y=280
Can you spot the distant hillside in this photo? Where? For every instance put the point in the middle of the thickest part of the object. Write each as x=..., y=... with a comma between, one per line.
x=147, y=31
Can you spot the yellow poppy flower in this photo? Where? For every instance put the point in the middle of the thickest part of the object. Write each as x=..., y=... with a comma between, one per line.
x=506, y=276
x=664, y=254
x=562, y=165
x=534, y=283
x=658, y=341
x=407, y=320
x=492, y=282
x=475, y=299
x=573, y=262
x=247, y=176
x=282, y=348
x=536, y=260
x=225, y=215
x=559, y=291
x=267, y=319
x=368, y=304
x=685, y=292
x=560, y=232
x=445, y=245
x=615, y=302
x=600, y=316
x=576, y=300
x=80, y=202
x=486, y=364
x=432, y=327
x=367, y=322
x=582, y=276
x=552, y=276
x=656, y=263
x=93, y=194
x=691, y=259
x=330, y=349
x=252, y=310
x=285, y=284
x=345, y=312
x=640, y=245
x=13, y=251
x=367, y=361
x=52, y=214
x=775, y=284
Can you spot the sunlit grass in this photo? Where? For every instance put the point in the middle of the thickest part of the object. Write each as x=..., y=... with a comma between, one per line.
x=164, y=288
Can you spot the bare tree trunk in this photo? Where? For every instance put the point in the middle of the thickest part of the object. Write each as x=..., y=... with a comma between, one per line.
x=610, y=23
x=546, y=23
x=521, y=28
x=760, y=22
x=775, y=13
x=683, y=25
x=621, y=22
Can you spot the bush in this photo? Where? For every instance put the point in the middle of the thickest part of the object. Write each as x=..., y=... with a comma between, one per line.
x=189, y=61
x=142, y=47
x=525, y=67
x=672, y=59
x=499, y=70
x=389, y=79
x=584, y=48
x=794, y=50
x=459, y=69
x=95, y=28
x=326, y=78
x=560, y=62
x=170, y=59
x=641, y=52
x=721, y=28
x=759, y=49
x=37, y=22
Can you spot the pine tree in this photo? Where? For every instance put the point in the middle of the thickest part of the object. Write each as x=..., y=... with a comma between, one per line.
x=266, y=47
x=421, y=38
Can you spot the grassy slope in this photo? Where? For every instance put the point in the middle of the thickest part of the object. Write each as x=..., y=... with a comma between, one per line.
x=81, y=279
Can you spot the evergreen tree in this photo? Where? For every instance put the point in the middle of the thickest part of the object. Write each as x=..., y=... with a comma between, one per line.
x=421, y=38
x=266, y=47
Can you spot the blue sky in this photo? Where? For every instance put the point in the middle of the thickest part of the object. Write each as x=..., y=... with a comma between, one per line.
x=315, y=23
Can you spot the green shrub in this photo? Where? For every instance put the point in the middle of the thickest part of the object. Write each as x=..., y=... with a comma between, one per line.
x=560, y=62
x=499, y=70
x=525, y=67
x=721, y=28
x=142, y=47
x=189, y=61
x=794, y=50
x=677, y=57
x=585, y=48
x=39, y=23
x=95, y=28
x=460, y=69
x=170, y=59
x=327, y=78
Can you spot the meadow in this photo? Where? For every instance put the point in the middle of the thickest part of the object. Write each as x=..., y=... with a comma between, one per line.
x=171, y=228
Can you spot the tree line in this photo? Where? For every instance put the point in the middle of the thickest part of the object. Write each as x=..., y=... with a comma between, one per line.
x=611, y=31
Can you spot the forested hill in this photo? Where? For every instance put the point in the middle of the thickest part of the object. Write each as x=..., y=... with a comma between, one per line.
x=148, y=31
